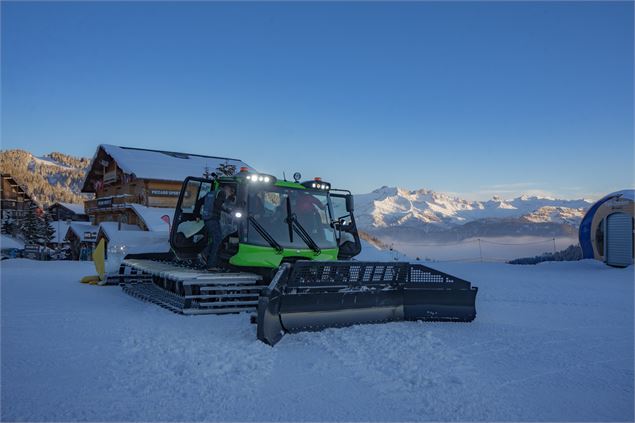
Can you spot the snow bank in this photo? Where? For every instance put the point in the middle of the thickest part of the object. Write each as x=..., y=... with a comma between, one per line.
x=8, y=242
x=551, y=342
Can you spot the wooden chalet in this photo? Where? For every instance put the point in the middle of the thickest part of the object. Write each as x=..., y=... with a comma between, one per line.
x=82, y=237
x=68, y=212
x=128, y=180
x=14, y=200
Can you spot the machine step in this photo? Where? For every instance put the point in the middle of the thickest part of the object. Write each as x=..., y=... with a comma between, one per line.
x=231, y=288
x=218, y=304
x=213, y=296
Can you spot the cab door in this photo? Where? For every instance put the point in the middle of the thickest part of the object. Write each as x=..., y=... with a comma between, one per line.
x=188, y=236
x=342, y=207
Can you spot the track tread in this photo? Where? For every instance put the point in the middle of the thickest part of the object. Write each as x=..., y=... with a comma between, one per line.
x=220, y=293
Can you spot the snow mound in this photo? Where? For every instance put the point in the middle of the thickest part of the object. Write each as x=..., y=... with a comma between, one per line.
x=9, y=242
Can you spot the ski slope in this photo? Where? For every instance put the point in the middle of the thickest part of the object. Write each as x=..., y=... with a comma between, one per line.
x=551, y=342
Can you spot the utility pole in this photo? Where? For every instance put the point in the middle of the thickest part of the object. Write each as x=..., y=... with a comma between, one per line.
x=480, y=250
x=554, y=245
x=57, y=235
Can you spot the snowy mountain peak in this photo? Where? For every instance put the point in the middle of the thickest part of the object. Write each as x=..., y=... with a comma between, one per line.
x=394, y=206
x=553, y=214
x=385, y=191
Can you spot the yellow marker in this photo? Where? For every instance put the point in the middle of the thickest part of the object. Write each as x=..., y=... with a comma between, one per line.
x=99, y=258
x=90, y=279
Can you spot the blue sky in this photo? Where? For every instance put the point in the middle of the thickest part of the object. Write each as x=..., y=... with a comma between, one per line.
x=473, y=98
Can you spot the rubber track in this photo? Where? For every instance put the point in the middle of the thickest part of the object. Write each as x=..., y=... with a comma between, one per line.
x=149, y=292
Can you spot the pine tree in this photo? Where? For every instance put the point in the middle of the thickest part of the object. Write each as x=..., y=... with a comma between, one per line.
x=29, y=228
x=46, y=231
x=206, y=173
x=7, y=225
x=226, y=169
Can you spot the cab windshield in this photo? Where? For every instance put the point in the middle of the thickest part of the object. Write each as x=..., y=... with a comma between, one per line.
x=270, y=207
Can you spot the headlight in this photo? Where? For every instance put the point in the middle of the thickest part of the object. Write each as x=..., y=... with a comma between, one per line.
x=116, y=254
x=117, y=249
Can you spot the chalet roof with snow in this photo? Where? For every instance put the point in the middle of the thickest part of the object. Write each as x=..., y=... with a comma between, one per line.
x=133, y=238
x=84, y=231
x=60, y=228
x=152, y=164
x=110, y=229
x=77, y=209
x=153, y=217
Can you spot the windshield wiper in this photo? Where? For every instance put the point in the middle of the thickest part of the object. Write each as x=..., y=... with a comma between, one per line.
x=288, y=220
x=294, y=225
x=266, y=235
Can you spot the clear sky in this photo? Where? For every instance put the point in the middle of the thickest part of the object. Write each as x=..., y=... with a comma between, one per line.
x=473, y=98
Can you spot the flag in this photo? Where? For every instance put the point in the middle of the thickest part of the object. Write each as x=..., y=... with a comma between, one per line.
x=166, y=219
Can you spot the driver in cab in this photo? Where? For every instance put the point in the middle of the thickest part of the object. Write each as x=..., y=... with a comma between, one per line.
x=213, y=206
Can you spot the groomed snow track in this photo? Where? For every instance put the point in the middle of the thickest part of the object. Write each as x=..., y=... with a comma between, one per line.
x=189, y=291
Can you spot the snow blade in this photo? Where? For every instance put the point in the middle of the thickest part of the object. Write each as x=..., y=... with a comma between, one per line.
x=311, y=296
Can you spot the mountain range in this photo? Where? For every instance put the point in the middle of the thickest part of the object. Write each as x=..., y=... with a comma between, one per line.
x=410, y=215
x=386, y=213
x=48, y=179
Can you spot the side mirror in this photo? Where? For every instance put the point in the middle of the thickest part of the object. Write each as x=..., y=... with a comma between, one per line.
x=350, y=205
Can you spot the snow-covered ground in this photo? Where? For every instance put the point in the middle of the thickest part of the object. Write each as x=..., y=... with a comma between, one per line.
x=499, y=249
x=551, y=342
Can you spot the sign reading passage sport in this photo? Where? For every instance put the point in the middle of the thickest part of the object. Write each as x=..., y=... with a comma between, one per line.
x=164, y=193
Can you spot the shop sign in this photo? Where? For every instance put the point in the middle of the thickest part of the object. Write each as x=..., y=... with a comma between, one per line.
x=164, y=193
x=104, y=203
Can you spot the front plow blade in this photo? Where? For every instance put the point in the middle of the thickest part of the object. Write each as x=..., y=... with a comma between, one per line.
x=312, y=296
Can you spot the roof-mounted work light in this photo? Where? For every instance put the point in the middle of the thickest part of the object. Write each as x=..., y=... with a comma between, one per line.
x=261, y=179
x=317, y=183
